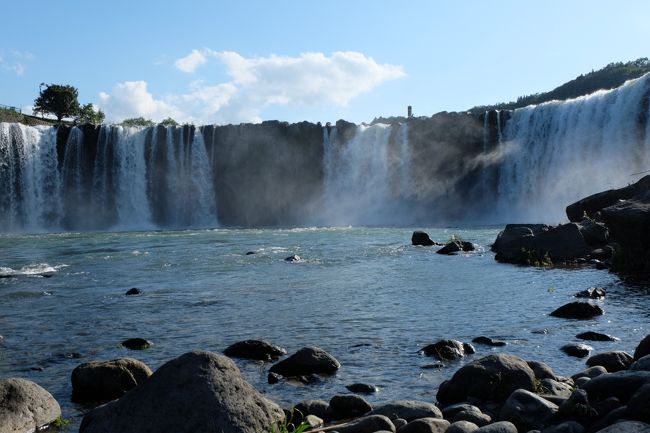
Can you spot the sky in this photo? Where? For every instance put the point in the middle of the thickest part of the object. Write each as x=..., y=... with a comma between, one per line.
x=219, y=62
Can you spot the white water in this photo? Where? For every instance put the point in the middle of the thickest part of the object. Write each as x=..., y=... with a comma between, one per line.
x=113, y=192
x=367, y=179
x=556, y=153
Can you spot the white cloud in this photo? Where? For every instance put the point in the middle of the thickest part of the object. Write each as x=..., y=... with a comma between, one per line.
x=17, y=63
x=193, y=60
x=132, y=99
x=310, y=79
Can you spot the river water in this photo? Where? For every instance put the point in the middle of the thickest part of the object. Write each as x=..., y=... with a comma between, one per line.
x=363, y=294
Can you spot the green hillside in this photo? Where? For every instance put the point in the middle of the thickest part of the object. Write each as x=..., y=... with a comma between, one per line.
x=609, y=77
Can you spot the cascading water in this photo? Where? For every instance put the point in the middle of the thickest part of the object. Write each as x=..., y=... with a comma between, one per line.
x=110, y=183
x=367, y=179
x=556, y=153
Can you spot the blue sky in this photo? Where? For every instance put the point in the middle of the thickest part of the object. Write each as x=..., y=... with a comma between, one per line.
x=230, y=62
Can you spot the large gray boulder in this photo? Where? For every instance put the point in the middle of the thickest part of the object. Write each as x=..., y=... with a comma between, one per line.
x=101, y=381
x=492, y=378
x=425, y=425
x=308, y=360
x=527, y=411
x=613, y=361
x=407, y=409
x=622, y=385
x=25, y=406
x=627, y=427
x=198, y=391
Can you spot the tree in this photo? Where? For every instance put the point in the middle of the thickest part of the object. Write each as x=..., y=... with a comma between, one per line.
x=58, y=99
x=137, y=121
x=169, y=122
x=87, y=114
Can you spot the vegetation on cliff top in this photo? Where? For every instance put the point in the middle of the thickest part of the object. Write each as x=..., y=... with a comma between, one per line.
x=609, y=77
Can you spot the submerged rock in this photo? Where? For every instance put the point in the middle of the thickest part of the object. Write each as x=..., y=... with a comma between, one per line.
x=133, y=292
x=137, y=344
x=254, y=349
x=362, y=388
x=456, y=246
x=422, y=239
x=448, y=350
x=595, y=336
x=25, y=406
x=592, y=293
x=577, y=350
x=101, y=381
x=308, y=360
x=196, y=392
x=489, y=341
x=578, y=310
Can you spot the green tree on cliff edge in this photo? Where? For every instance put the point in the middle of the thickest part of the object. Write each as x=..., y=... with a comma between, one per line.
x=60, y=100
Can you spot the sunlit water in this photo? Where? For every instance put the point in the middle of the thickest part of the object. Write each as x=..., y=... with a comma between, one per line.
x=363, y=294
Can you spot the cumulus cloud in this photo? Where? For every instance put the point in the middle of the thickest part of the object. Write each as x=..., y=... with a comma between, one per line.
x=310, y=79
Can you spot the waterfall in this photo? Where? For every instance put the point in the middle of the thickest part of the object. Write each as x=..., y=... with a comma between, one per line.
x=559, y=152
x=114, y=180
x=367, y=178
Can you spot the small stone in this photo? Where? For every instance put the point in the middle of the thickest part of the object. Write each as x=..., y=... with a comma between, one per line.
x=592, y=293
x=137, y=344
x=595, y=336
x=273, y=378
x=577, y=350
x=578, y=310
x=489, y=341
x=133, y=292
x=362, y=388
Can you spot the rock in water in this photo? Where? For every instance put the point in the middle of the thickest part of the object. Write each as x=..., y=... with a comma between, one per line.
x=578, y=310
x=592, y=293
x=137, y=344
x=595, y=336
x=489, y=341
x=101, y=381
x=448, y=350
x=25, y=406
x=133, y=292
x=308, y=360
x=254, y=349
x=493, y=377
x=196, y=392
x=577, y=350
x=456, y=246
x=422, y=239
x=362, y=388
x=293, y=258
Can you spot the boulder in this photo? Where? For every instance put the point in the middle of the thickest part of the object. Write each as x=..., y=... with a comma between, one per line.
x=308, y=360
x=590, y=372
x=137, y=344
x=578, y=408
x=542, y=370
x=641, y=364
x=592, y=204
x=643, y=348
x=565, y=427
x=254, y=349
x=319, y=408
x=448, y=350
x=407, y=409
x=638, y=408
x=527, y=411
x=556, y=244
x=474, y=416
x=595, y=336
x=627, y=427
x=449, y=412
x=592, y=293
x=367, y=424
x=133, y=292
x=622, y=385
x=101, y=381
x=198, y=391
x=362, y=388
x=493, y=377
x=461, y=427
x=612, y=361
x=514, y=232
x=594, y=233
x=293, y=258
x=453, y=247
x=25, y=406
x=577, y=350
x=422, y=239
x=425, y=425
x=554, y=388
x=348, y=406
x=577, y=310
x=489, y=341
x=498, y=427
